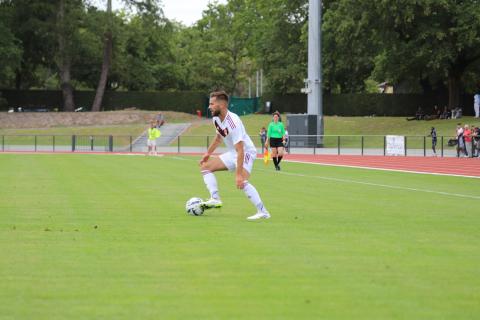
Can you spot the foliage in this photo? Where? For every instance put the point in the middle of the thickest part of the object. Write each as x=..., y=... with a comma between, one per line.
x=429, y=42
x=420, y=46
x=10, y=48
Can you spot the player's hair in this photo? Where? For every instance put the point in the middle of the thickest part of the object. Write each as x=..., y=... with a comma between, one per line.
x=220, y=95
x=278, y=114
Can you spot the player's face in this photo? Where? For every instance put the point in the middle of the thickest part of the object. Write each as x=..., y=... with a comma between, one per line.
x=275, y=118
x=214, y=107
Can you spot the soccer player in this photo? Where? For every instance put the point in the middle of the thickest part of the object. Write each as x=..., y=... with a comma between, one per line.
x=276, y=139
x=153, y=134
x=239, y=158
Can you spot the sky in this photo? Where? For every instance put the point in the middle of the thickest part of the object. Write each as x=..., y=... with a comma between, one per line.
x=185, y=11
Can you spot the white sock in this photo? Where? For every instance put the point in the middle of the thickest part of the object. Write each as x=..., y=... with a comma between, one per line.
x=254, y=197
x=211, y=183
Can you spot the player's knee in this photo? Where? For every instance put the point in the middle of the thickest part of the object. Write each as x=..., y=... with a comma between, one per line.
x=205, y=166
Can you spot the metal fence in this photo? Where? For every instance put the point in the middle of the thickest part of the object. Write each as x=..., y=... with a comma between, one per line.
x=331, y=145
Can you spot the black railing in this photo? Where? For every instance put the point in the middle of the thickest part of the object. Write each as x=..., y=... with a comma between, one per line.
x=298, y=144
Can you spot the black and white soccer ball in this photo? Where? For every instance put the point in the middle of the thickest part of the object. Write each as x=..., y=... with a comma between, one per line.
x=194, y=206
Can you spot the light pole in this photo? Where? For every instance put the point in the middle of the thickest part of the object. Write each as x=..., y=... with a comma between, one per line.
x=311, y=124
x=314, y=58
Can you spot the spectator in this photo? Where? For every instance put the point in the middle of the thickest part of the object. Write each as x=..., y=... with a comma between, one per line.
x=433, y=134
x=476, y=104
x=419, y=115
x=160, y=120
x=263, y=137
x=287, y=142
x=460, y=140
x=457, y=113
x=467, y=136
x=476, y=141
x=446, y=114
x=436, y=112
x=153, y=133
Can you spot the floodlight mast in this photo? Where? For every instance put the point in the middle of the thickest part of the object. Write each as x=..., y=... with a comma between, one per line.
x=314, y=81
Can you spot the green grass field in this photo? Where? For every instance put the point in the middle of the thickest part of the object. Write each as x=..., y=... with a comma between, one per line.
x=107, y=237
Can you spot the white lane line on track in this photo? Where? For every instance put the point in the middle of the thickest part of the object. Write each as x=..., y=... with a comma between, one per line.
x=384, y=169
x=376, y=184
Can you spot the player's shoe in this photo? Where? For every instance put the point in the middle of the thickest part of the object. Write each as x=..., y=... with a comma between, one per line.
x=259, y=215
x=212, y=203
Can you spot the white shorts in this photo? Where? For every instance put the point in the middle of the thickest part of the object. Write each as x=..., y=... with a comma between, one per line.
x=151, y=143
x=230, y=160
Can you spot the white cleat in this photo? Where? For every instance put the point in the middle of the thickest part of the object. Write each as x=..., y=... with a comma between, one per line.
x=259, y=215
x=212, y=203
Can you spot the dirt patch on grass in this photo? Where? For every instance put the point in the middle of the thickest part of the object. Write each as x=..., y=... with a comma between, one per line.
x=19, y=120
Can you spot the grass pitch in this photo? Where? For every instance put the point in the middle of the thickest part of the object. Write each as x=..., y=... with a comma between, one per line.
x=94, y=236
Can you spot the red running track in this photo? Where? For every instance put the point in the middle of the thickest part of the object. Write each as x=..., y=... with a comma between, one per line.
x=468, y=167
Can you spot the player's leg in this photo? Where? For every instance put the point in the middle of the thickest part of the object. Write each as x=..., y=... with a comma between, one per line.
x=250, y=191
x=275, y=157
x=281, y=152
x=207, y=169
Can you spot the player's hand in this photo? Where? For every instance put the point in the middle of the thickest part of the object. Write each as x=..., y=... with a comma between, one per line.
x=205, y=158
x=239, y=181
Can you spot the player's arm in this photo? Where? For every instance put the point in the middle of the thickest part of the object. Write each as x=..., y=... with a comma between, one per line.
x=213, y=146
x=240, y=156
x=269, y=132
x=283, y=134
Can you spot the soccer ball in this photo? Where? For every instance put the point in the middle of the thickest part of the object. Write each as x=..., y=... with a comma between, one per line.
x=194, y=206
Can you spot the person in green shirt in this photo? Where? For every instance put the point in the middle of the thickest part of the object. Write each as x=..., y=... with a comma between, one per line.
x=153, y=133
x=276, y=139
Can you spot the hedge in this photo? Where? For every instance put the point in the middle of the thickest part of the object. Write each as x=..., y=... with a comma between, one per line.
x=190, y=101
x=185, y=101
x=360, y=104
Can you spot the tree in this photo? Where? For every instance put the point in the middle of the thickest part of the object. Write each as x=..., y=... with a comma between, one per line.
x=107, y=57
x=430, y=42
x=31, y=24
x=67, y=26
x=442, y=36
x=280, y=42
x=10, y=47
x=218, y=47
x=349, y=45
x=144, y=54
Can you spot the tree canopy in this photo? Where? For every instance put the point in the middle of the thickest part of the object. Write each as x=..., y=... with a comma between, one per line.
x=417, y=45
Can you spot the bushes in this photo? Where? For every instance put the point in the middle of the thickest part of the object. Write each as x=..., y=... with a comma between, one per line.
x=359, y=104
x=185, y=101
x=190, y=101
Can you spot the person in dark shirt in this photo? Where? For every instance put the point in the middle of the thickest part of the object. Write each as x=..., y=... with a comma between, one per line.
x=433, y=134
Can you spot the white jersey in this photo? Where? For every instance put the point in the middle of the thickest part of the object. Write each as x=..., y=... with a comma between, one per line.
x=476, y=99
x=233, y=131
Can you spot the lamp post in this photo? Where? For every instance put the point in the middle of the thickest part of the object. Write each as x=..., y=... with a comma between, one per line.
x=311, y=124
x=314, y=81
